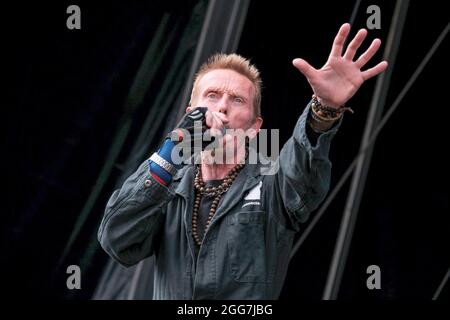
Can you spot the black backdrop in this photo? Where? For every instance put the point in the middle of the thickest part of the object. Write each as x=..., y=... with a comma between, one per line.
x=65, y=91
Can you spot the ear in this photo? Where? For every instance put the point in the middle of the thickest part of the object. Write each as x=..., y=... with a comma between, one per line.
x=188, y=109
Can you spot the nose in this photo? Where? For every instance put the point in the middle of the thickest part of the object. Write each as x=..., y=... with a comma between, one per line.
x=222, y=106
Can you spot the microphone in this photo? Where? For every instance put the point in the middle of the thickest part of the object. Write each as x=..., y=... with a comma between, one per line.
x=197, y=136
x=192, y=131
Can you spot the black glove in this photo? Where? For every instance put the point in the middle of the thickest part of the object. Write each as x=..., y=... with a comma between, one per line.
x=192, y=129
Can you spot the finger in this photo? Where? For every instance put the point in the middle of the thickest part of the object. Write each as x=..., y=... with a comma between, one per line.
x=215, y=132
x=355, y=44
x=208, y=119
x=369, y=73
x=304, y=67
x=338, y=43
x=216, y=120
x=369, y=53
x=222, y=117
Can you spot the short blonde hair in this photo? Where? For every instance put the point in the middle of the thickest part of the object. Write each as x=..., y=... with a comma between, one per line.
x=236, y=63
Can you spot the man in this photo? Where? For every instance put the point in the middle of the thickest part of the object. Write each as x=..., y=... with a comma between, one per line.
x=222, y=230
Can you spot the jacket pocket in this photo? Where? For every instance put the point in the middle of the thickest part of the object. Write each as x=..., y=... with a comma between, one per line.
x=246, y=246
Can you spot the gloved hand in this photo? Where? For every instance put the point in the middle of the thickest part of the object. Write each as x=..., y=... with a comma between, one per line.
x=190, y=129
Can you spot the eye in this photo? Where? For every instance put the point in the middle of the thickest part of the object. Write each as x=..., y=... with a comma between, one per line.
x=238, y=100
x=212, y=95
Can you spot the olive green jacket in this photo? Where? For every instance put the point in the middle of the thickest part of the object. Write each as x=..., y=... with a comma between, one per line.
x=245, y=251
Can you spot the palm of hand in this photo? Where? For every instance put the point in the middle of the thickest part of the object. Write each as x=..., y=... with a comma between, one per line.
x=339, y=79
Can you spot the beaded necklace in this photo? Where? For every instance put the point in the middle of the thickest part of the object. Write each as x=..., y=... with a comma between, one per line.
x=216, y=192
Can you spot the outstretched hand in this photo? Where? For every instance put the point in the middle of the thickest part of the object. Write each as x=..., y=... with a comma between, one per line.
x=339, y=79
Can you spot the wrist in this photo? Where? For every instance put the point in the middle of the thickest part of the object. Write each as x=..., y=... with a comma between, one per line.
x=319, y=126
x=166, y=151
x=326, y=111
x=162, y=167
x=326, y=103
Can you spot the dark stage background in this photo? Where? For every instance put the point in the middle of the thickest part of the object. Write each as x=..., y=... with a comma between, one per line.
x=71, y=97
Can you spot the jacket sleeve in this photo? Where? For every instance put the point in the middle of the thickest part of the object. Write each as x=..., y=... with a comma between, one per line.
x=133, y=217
x=302, y=178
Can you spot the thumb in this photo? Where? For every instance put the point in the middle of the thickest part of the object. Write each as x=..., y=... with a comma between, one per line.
x=304, y=67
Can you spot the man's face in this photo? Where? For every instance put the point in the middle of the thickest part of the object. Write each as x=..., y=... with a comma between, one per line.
x=231, y=94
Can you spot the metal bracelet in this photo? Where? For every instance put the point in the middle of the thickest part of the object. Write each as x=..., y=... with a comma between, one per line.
x=163, y=163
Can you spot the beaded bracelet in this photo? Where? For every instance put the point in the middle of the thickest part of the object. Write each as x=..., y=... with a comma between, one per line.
x=323, y=113
x=320, y=116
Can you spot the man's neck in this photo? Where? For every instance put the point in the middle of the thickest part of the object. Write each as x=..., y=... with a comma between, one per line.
x=215, y=171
